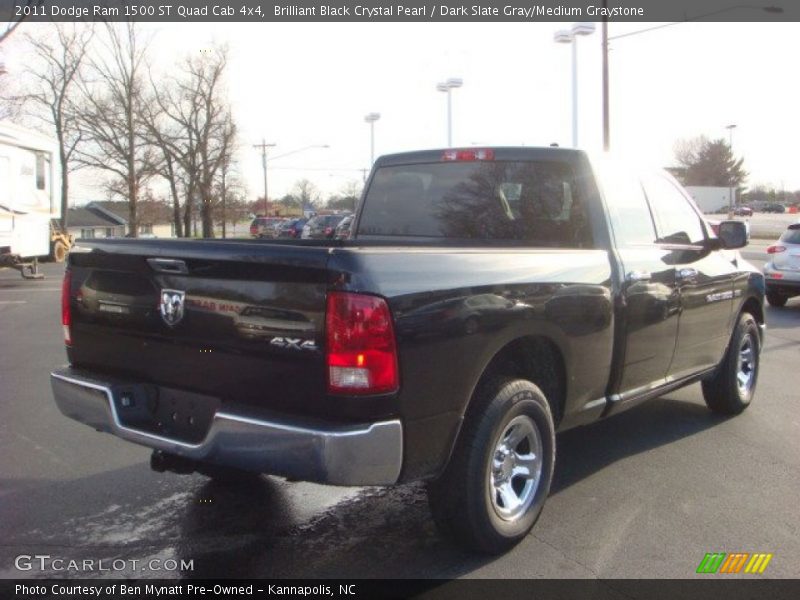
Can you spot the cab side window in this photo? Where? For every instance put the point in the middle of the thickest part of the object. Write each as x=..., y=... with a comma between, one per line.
x=676, y=220
x=631, y=220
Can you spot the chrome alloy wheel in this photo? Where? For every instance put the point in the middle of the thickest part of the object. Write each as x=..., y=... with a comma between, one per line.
x=516, y=468
x=746, y=364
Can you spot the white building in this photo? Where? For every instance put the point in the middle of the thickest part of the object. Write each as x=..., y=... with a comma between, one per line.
x=710, y=199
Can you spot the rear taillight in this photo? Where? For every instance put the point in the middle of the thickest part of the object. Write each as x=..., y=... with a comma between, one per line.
x=66, y=311
x=776, y=249
x=361, y=350
x=328, y=230
x=468, y=155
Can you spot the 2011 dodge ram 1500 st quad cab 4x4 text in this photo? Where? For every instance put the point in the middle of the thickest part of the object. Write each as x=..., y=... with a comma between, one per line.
x=486, y=299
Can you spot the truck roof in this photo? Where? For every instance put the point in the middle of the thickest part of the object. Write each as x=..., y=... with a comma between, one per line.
x=500, y=153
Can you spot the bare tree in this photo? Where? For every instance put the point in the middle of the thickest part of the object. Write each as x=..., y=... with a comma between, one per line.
x=306, y=192
x=58, y=60
x=190, y=122
x=164, y=134
x=114, y=134
x=687, y=149
x=25, y=9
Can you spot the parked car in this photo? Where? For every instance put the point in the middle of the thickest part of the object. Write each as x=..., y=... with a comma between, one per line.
x=782, y=271
x=293, y=228
x=264, y=226
x=343, y=228
x=487, y=299
x=774, y=208
x=743, y=211
x=321, y=227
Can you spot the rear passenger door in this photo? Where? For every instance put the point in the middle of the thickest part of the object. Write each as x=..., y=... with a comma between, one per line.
x=704, y=278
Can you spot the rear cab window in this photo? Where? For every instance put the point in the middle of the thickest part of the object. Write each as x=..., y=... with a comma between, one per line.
x=527, y=202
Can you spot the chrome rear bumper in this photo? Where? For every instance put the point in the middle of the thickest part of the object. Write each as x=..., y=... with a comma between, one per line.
x=368, y=454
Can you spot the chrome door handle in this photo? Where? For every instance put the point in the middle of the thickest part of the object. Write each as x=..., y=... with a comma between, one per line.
x=687, y=274
x=636, y=276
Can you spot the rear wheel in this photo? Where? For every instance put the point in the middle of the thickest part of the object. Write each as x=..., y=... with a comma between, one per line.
x=731, y=388
x=776, y=299
x=498, y=478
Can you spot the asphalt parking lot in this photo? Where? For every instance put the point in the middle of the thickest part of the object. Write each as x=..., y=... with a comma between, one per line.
x=643, y=494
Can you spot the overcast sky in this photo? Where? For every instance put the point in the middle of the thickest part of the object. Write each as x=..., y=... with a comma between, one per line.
x=303, y=84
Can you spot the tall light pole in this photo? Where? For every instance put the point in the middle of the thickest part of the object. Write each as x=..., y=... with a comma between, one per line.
x=570, y=36
x=447, y=87
x=264, y=145
x=730, y=129
x=371, y=118
x=606, y=39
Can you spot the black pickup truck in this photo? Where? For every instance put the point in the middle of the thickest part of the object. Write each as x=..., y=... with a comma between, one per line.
x=487, y=299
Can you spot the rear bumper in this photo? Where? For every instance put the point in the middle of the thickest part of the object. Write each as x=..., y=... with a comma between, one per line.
x=785, y=280
x=368, y=454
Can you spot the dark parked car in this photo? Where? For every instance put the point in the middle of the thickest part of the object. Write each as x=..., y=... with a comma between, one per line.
x=293, y=228
x=264, y=227
x=321, y=227
x=743, y=211
x=488, y=298
x=774, y=208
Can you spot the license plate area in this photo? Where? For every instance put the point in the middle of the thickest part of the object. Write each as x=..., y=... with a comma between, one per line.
x=174, y=414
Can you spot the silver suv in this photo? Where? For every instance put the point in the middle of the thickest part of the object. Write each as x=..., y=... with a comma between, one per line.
x=782, y=272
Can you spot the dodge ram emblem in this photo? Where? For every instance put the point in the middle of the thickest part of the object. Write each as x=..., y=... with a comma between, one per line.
x=171, y=306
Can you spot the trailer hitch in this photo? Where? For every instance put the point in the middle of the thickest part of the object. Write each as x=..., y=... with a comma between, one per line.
x=29, y=270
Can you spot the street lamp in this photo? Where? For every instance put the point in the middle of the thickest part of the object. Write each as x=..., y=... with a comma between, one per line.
x=606, y=39
x=730, y=129
x=447, y=86
x=570, y=36
x=371, y=118
x=263, y=146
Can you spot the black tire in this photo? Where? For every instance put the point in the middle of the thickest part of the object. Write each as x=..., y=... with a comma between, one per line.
x=776, y=299
x=464, y=500
x=725, y=393
x=59, y=253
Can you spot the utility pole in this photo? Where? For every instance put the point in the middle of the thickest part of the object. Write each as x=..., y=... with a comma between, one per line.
x=263, y=146
x=606, y=115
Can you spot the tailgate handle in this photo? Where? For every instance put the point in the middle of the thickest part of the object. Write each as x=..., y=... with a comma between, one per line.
x=168, y=265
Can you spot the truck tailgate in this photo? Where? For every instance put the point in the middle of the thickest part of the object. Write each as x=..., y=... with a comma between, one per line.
x=232, y=321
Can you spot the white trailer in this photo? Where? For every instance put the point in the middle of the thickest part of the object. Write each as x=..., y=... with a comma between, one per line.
x=710, y=199
x=30, y=197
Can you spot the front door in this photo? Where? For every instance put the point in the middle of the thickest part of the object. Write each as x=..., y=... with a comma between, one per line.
x=704, y=278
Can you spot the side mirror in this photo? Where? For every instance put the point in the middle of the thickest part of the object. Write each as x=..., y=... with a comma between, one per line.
x=733, y=234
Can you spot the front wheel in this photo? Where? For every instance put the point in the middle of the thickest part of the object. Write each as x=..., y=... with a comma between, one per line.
x=733, y=385
x=498, y=478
